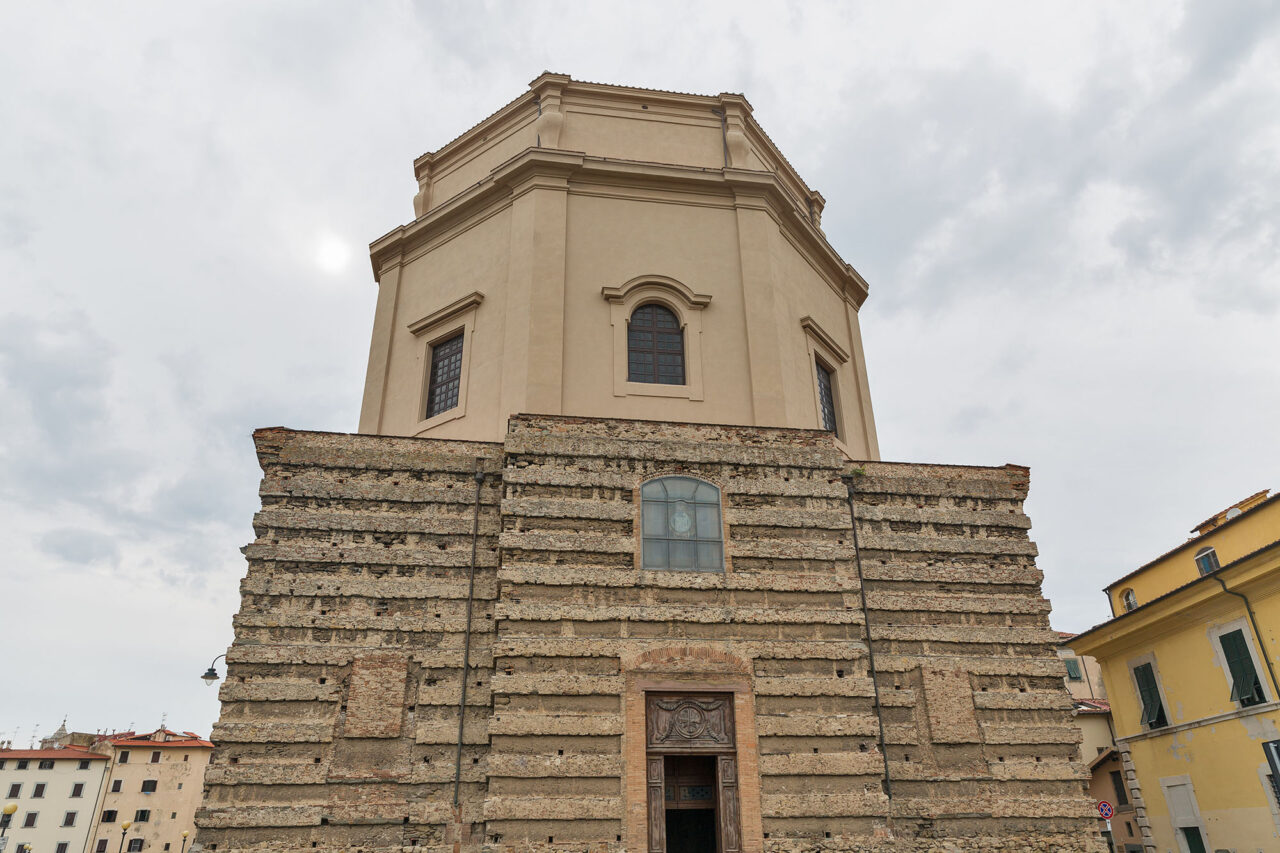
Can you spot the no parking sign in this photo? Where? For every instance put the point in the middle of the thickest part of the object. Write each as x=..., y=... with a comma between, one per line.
x=1104, y=809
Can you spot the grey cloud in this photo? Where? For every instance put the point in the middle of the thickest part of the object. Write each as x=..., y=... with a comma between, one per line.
x=80, y=546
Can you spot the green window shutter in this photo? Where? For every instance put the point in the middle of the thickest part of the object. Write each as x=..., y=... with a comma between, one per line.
x=1153, y=715
x=1246, y=688
x=1073, y=668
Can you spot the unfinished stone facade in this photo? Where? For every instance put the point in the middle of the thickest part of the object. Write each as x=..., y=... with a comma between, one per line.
x=340, y=723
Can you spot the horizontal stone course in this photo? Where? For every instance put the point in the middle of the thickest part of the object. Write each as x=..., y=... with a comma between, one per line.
x=362, y=554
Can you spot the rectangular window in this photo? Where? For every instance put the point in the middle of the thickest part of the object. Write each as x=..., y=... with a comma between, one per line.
x=1246, y=687
x=135, y=845
x=185, y=756
x=2, y=763
x=124, y=757
x=446, y=376
x=166, y=845
x=115, y=786
x=155, y=757
x=77, y=790
x=826, y=399
x=1117, y=782
x=142, y=815
x=69, y=819
x=22, y=764
x=109, y=816
x=38, y=791
x=84, y=764
x=30, y=820
x=1153, y=715
x=15, y=790
x=61, y=848
x=1073, y=669
x=1207, y=561
x=102, y=846
x=173, y=815
x=47, y=764
x=148, y=786
x=179, y=786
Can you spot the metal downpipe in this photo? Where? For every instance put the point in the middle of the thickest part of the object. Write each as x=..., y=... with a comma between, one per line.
x=466, y=641
x=850, y=492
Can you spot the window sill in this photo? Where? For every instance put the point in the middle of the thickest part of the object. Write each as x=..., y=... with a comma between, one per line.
x=657, y=389
x=436, y=420
x=1203, y=721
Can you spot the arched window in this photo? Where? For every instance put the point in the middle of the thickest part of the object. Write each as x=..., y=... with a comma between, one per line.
x=680, y=517
x=1207, y=560
x=655, y=346
x=1130, y=600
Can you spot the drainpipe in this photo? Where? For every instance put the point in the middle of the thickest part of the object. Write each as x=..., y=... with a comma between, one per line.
x=851, y=492
x=724, y=133
x=466, y=641
x=1253, y=621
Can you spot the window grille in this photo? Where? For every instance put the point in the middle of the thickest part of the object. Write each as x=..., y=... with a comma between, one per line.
x=445, y=380
x=826, y=399
x=655, y=346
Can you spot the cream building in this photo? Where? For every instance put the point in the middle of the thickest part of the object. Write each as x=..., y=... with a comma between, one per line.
x=530, y=265
x=154, y=783
x=55, y=791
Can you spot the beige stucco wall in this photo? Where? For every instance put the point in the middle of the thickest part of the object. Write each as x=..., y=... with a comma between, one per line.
x=56, y=802
x=537, y=236
x=172, y=806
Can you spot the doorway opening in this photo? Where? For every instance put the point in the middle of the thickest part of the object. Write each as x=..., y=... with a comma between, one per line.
x=691, y=803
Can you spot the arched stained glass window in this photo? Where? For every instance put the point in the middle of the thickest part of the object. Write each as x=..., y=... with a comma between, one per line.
x=655, y=346
x=682, y=528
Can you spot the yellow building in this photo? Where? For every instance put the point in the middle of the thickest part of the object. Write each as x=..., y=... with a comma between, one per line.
x=1187, y=663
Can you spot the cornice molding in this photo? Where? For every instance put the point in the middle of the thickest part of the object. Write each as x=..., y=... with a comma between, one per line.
x=448, y=312
x=748, y=188
x=819, y=334
x=680, y=289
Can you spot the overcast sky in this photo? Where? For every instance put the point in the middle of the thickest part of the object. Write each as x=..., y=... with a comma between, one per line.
x=1068, y=214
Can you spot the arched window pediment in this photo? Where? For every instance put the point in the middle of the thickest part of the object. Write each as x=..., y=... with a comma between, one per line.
x=659, y=352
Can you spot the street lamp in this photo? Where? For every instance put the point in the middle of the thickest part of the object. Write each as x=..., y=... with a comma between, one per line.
x=6, y=815
x=184, y=841
x=124, y=827
x=211, y=674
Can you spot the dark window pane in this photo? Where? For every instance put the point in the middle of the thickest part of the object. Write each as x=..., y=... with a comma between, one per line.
x=1117, y=782
x=655, y=347
x=446, y=376
x=826, y=399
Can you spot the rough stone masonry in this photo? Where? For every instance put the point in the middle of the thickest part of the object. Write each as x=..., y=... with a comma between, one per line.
x=340, y=725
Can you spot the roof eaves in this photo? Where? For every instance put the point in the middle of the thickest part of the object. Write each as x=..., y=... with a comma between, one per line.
x=1176, y=590
x=1189, y=543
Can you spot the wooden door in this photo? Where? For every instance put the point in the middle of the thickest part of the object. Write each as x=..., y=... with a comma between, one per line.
x=657, y=805
x=727, y=777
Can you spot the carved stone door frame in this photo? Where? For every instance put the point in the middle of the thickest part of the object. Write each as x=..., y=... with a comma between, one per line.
x=692, y=723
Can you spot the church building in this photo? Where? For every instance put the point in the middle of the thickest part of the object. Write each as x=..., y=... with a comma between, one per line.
x=612, y=563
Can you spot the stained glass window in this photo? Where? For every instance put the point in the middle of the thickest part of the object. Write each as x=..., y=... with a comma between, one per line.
x=681, y=525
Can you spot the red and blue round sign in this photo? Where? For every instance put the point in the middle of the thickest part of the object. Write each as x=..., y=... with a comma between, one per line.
x=1104, y=809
